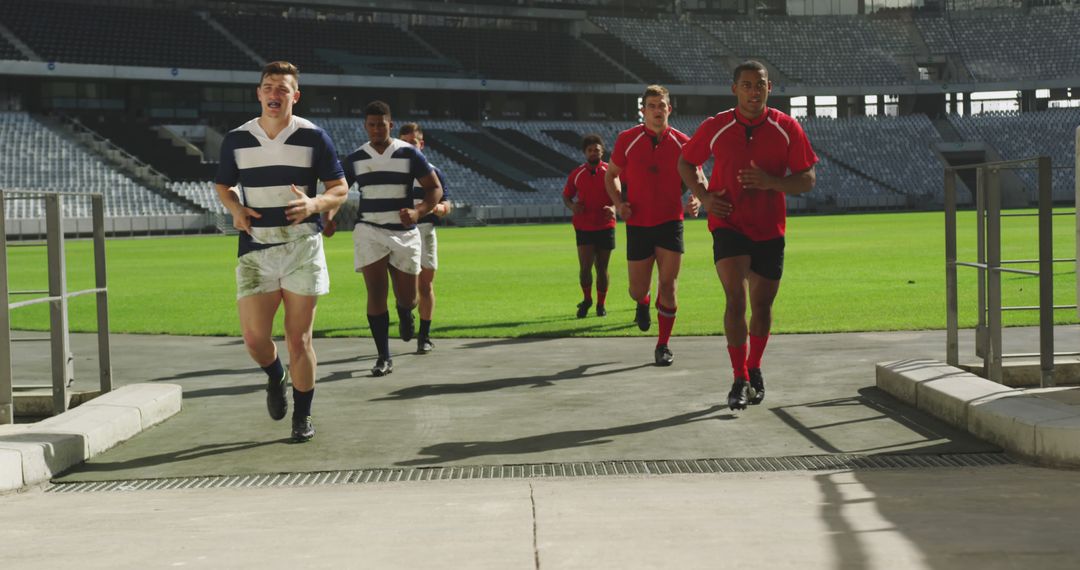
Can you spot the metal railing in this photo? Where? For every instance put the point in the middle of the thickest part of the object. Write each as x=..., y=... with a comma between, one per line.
x=990, y=267
x=57, y=297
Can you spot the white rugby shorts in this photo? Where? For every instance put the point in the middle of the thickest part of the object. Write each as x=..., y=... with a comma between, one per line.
x=429, y=246
x=297, y=266
x=372, y=243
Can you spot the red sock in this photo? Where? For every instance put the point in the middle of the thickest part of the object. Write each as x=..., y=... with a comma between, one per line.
x=587, y=291
x=647, y=300
x=600, y=296
x=666, y=317
x=738, y=360
x=757, y=348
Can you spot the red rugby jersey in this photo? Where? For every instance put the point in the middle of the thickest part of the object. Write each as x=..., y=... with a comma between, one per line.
x=587, y=183
x=775, y=142
x=650, y=174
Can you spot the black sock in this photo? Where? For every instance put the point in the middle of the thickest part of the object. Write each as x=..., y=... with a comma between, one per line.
x=380, y=333
x=302, y=403
x=404, y=313
x=425, y=329
x=275, y=371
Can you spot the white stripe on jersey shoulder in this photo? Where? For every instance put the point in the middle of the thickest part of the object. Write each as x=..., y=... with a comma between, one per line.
x=724, y=128
x=671, y=133
x=634, y=142
x=248, y=126
x=270, y=196
x=580, y=171
x=302, y=123
x=781, y=129
x=274, y=155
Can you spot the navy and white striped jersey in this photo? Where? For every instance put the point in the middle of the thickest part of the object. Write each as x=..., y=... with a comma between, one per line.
x=418, y=196
x=263, y=169
x=385, y=181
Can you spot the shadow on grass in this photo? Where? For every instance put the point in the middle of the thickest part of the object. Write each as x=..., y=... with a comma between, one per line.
x=426, y=390
x=459, y=450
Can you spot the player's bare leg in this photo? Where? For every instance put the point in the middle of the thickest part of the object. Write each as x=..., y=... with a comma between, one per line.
x=640, y=278
x=668, y=264
x=378, y=285
x=299, y=318
x=586, y=259
x=733, y=273
x=405, y=296
x=603, y=257
x=256, y=323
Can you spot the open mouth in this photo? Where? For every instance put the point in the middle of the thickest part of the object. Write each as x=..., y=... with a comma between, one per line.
x=274, y=105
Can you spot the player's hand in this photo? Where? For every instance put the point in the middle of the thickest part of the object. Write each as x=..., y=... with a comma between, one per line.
x=409, y=216
x=578, y=208
x=241, y=218
x=329, y=226
x=609, y=212
x=693, y=206
x=717, y=204
x=301, y=208
x=756, y=178
x=625, y=210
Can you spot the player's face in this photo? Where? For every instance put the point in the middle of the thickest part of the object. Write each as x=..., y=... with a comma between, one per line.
x=414, y=138
x=656, y=110
x=752, y=89
x=593, y=153
x=378, y=128
x=277, y=94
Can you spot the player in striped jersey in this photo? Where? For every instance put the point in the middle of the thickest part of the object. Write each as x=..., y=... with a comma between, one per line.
x=385, y=239
x=275, y=162
x=429, y=244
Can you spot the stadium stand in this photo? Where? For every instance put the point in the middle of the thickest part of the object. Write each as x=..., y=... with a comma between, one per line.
x=159, y=37
x=143, y=142
x=525, y=55
x=327, y=46
x=32, y=157
x=1016, y=136
x=1036, y=44
x=630, y=58
x=861, y=51
x=685, y=51
x=8, y=51
x=202, y=193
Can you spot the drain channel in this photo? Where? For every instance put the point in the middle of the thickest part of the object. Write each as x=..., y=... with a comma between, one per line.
x=528, y=471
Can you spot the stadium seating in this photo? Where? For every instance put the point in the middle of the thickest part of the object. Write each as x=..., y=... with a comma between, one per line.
x=525, y=55
x=81, y=33
x=34, y=158
x=1036, y=46
x=685, y=51
x=202, y=193
x=8, y=51
x=630, y=58
x=1017, y=136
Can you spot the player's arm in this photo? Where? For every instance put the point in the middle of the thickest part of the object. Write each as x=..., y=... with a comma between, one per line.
x=793, y=184
x=432, y=195
x=241, y=214
x=715, y=203
x=614, y=189
x=305, y=206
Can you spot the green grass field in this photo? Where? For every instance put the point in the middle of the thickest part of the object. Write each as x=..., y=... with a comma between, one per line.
x=867, y=272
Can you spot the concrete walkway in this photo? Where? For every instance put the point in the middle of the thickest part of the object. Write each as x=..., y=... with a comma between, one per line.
x=499, y=402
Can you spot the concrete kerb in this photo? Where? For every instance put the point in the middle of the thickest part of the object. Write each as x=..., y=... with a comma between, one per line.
x=34, y=455
x=1034, y=428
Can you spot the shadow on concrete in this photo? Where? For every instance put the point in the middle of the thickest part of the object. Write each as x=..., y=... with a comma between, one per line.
x=178, y=456
x=426, y=390
x=460, y=450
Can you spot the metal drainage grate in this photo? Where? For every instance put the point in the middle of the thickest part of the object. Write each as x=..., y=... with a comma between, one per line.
x=579, y=469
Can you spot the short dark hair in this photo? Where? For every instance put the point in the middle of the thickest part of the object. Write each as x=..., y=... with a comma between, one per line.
x=591, y=139
x=749, y=65
x=280, y=68
x=410, y=128
x=376, y=108
x=655, y=91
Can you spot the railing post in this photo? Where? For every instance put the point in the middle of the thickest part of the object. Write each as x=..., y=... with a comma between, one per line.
x=97, y=205
x=952, y=313
x=58, y=316
x=993, y=274
x=1046, y=275
x=981, y=339
x=7, y=398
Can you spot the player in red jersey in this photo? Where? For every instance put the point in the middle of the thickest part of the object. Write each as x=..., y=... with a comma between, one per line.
x=761, y=155
x=645, y=161
x=594, y=223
